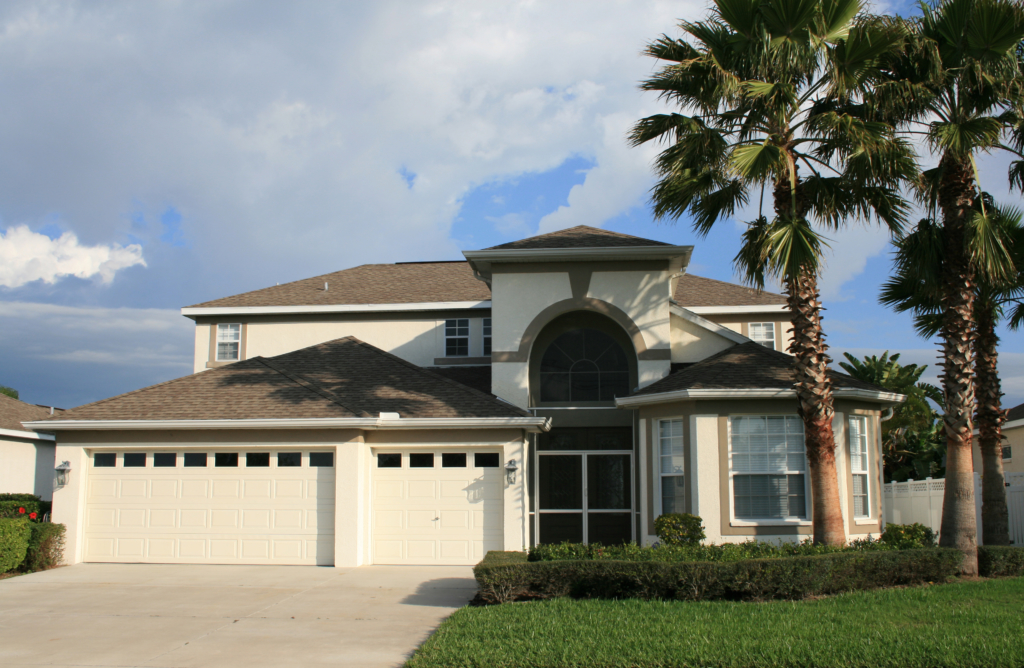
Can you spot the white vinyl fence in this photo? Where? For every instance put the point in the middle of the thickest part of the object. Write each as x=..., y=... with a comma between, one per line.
x=921, y=501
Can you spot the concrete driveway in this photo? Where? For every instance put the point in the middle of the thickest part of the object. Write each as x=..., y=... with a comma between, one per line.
x=248, y=616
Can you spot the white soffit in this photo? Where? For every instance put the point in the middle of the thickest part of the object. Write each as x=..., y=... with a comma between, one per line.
x=529, y=423
x=35, y=436
x=714, y=327
x=759, y=393
x=728, y=310
x=332, y=308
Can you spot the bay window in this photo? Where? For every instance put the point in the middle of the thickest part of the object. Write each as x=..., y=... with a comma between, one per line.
x=859, y=467
x=768, y=468
x=672, y=468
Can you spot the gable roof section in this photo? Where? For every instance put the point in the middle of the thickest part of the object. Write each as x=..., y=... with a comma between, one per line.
x=403, y=283
x=699, y=291
x=747, y=367
x=13, y=412
x=345, y=378
x=581, y=236
x=1015, y=413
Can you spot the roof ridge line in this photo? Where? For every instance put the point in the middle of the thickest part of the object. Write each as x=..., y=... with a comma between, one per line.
x=483, y=395
x=309, y=384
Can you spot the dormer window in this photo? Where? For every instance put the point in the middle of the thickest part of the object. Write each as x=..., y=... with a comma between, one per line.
x=763, y=333
x=229, y=342
x=456, y=337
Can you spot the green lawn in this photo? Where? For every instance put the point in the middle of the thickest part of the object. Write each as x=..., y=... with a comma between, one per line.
x=960, y=624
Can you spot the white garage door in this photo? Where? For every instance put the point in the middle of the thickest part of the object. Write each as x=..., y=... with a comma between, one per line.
x=210, y=507
x=441, y=507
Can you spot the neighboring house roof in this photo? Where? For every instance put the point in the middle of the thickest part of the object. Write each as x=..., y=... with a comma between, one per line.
x=1015, y=413
x=344, y=378
x=581, y=236
x=747, y=366
x=13, y=412
x=402, y=283
x=699, y=291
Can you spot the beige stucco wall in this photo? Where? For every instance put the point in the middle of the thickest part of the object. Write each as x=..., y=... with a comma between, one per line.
x=692, y=343
x=740, y=323
x=1015, y=439
x=26, y=466
x=353, y=450
x=706, y=453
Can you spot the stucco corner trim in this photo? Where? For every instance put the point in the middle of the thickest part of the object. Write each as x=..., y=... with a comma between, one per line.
x=35, y=436
x=724, y=332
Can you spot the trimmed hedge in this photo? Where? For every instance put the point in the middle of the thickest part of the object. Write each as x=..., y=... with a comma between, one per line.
x=12, y=505
x=45, y=546
x=14, y=536
x=677, y=553
x=504, y=579
x=1000, y=561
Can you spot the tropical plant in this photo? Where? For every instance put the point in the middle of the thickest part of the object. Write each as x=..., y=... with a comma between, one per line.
x=910, y=444
x=960, y=88
x=765, y=89
x=916, y=287
x=9, y=391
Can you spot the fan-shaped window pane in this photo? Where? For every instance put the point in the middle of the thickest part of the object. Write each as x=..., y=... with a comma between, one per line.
x=584, y=365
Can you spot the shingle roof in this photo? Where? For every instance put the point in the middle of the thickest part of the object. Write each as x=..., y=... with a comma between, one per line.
x=699, y=291
x=581, y=236
x=403, y=283
x=477, y=377
x=345, y=378
x=1015, y=413
x=14, y=412
x=742, y=367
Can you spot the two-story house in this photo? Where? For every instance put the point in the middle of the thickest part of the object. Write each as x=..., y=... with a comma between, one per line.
x=570, y=386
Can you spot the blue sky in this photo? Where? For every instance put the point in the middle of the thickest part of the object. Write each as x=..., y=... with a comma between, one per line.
x=160, y=155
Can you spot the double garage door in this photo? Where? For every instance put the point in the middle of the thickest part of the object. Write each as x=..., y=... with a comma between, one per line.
x=215, y=507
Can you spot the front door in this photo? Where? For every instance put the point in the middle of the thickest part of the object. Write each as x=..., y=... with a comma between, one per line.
x=585, y=495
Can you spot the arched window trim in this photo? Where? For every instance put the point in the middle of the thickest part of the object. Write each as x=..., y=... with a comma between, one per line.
x=574, y=385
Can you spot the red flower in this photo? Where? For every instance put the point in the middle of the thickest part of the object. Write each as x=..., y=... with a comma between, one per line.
x=21, y=510
x=31, y=516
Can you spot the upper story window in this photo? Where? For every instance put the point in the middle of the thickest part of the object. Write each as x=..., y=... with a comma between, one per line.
x=487, y=336
x=229, y=342
x=768, y=467
x=584, y=365
x=456, y=337
x=859, y=466
x=763, y=333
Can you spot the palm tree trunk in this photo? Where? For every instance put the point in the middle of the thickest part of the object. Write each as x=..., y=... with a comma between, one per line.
x=995, y=521
x=959, y=527
x=814, y=393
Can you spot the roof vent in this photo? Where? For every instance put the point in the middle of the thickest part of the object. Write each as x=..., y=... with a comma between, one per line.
x=325, y=286
x=390, y=416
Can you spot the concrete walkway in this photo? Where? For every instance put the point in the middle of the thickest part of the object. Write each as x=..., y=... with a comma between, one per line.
x=173, y=616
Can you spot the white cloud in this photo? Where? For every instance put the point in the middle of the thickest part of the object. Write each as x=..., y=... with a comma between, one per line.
x=27, y=256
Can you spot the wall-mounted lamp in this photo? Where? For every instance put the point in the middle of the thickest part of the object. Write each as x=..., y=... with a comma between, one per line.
x=62, y=473
x=510, y=471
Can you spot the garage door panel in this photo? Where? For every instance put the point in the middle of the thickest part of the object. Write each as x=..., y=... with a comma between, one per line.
x=132, y=518
x=226, y=489
x=257, y=489
x=163, y=518
x=256, y=519
x=223, y=548
x=288, y=489
x=421, y=549
x=134, y=489
x=288, y=519
x=224, y=519
x=194, y=489
x=454, y=519
x=164, y=489
x=103, y=489
x=389, y=489
x=101, y=518
x=422, y=489
x=160, y=548
x=420, y=519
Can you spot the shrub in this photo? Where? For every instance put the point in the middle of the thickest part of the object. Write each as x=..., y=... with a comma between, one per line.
x=14, y=535
x=45, y=546
x=752, y=579
x=908, y=536
x=679, y=529
x=681, y=553
x=1000, y=561
x=22, y=506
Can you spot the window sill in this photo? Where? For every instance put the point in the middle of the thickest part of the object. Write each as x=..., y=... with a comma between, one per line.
x=770, y=523
x=863, y=521
x=451, y=361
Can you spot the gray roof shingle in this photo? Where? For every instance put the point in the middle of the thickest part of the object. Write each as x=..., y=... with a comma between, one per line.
x=699, y=291
x=581, y=236
x=13, y=412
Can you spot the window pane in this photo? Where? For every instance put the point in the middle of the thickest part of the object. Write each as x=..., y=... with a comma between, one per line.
x=257, y=459
x=487, y=345
x=421, y=460
x=104, y=460
x=609, y=528
x=554, y=386
x=453, y=460
x=768, y=496
x=1007, y=452
x=561, y=527
x=134, y=459
x=389, y=461
x=321, y=459
x=561, y=482
x=195, y=459
x=225, y=459
x=860, y=495
x=672, y=497
x=598, y=368
x=486, y=460
x=487, y=326
x=456, y=347
x=227, y=352
x=608, y=482
x=165, y=459
x=769, y=444
x=289, y=459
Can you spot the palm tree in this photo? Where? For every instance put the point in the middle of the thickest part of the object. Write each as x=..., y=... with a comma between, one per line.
x=766, y=89
x=994, y=232
x=959, y=85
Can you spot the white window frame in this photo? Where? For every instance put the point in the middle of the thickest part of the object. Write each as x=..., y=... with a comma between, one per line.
x=863, y=448
x=733, y=521
x=765, y=339
x=217, y=342
x=486, y=337
x=458, y=326
x=660, y=457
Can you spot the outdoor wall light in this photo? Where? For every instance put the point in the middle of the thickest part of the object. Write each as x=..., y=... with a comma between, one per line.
x=62, y=473
x=510, y=471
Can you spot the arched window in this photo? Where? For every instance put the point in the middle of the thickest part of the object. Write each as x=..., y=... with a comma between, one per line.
x=584, y=365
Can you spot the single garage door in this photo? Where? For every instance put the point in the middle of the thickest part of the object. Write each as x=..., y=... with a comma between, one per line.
x=220, y=506
x=441, y=507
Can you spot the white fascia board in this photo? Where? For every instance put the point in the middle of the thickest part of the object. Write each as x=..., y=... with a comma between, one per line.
x=332, y=308
x=736, y=310
x=574, y=254
x=35, y=436
x=714, y=327
x=760, y=393
x=529, y=423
